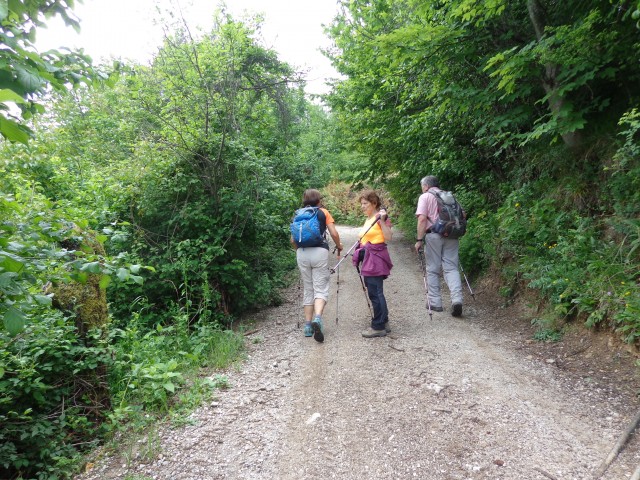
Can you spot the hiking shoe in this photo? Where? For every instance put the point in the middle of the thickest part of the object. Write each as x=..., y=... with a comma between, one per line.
x=308, y=330
x=371, y=333
x=457, y=310
x=437, y=309
x=316, y=325
x=387, y=328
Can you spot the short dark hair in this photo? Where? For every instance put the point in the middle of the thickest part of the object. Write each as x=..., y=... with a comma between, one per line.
x=372, y=197
x=311, y=197
x=430, y=181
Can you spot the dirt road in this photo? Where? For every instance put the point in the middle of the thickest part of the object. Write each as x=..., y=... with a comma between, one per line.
x=440, y=399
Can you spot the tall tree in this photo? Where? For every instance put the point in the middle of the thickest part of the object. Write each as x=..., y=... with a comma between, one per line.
x=197, y=153
x=460, y=86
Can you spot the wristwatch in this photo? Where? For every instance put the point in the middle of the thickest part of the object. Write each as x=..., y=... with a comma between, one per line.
x=419, y=240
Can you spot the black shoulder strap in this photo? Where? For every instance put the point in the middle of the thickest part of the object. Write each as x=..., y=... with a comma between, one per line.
x=322, y=218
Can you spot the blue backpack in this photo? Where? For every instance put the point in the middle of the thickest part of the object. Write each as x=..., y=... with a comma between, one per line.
x=305, y=228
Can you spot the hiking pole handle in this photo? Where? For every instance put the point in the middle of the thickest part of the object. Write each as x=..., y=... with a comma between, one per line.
x=382, y=216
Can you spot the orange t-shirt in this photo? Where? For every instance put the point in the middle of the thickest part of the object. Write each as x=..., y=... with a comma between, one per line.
x=374, y=235
x=328, y=218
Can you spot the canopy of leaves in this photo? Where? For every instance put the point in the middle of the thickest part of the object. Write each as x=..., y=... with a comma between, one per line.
x=508, y=103
x=465, y=83
x=197, y=161
x=26, y=74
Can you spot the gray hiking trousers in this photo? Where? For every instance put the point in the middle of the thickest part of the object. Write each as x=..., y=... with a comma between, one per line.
x=442, y=255
x=313, y=263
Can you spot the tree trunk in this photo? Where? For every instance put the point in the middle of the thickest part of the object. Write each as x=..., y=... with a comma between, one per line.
x=549, y=82
x=86, y=301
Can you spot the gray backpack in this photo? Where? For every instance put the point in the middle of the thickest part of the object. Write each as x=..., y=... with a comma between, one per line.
x=452, y=221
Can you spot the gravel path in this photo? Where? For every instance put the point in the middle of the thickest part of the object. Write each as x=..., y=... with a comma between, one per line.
x=444, y=398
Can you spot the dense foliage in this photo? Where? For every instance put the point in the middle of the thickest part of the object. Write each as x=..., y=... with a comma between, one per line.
x=25, y=73
x=167, y=193
x=527, y=111
x=49, y=397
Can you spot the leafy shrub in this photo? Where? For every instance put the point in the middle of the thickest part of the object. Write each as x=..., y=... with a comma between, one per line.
x=151, y=366
x=585, y=266
x=52, y=397
x=547, y=329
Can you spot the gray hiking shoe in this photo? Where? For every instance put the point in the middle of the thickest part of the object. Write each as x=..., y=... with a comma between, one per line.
x=387, y=328
x=371, y=333
x=457, y=310
x=437, y=309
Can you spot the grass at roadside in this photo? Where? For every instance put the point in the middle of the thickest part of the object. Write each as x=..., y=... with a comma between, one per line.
x=159, y=378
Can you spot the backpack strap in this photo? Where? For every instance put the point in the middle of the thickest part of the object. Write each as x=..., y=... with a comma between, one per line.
x=322, y=219
x=435, y=194
x=438, y=200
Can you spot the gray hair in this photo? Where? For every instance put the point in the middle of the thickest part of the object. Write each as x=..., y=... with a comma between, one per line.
x=430, y=181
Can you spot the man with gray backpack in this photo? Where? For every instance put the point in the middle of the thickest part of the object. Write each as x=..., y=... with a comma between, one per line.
x=441, y=222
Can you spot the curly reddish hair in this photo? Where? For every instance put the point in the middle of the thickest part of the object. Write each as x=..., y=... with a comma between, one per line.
x=372, y=197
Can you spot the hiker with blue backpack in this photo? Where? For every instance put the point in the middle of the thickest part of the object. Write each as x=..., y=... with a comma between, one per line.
x=308, y=229
x=441, y=222
x=372, y=260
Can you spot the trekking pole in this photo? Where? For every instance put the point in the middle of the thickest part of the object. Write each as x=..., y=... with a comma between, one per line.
x=299, y=295
x=364, y=289
x=337, y=289
x=473, y=295
x=333, y=270
x=423, y=266
x=337, y=295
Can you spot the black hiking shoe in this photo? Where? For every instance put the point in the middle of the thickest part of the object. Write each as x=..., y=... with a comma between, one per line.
x=457, y=310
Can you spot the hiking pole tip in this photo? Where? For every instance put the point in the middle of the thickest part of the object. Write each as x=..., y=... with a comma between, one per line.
x=473, y=294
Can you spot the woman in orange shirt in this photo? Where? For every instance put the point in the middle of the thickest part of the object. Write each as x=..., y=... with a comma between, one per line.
x=376, y=263
x=313, y=262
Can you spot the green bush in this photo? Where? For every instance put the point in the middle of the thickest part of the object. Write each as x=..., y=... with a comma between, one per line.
x=584, y=266
x=60, y=395
x=52, y=397
x=151, y=366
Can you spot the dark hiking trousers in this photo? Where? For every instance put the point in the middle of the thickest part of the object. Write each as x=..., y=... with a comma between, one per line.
x=378, y=302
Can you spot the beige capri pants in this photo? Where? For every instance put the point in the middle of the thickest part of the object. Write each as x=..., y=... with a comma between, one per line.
x=313, y=263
